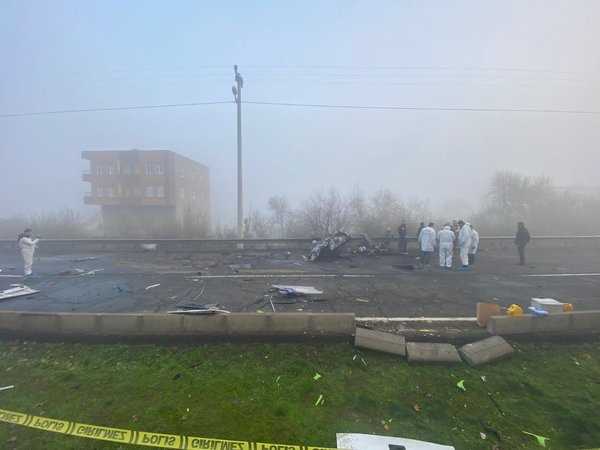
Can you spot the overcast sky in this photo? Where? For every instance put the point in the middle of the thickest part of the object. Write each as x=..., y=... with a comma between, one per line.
x=485, y=54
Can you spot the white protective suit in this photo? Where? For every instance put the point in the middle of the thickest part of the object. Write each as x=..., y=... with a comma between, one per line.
x=427, y=239
x=27, y=247
x=474, y=242
x=446, y=239
x=464, y=243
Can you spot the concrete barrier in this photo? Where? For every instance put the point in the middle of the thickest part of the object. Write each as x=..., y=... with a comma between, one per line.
x=164, y=326
x=572, y=323
x=68, y=246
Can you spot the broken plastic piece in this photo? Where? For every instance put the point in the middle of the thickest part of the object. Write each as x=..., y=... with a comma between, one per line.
x=541, y=440
x=317, y=376
x=461, y=385
x=320, y=400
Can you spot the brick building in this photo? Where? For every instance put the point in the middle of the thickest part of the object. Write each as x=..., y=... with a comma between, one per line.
x=149, y=193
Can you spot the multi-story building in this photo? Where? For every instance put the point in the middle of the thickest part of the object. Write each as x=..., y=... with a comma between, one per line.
x=148, y=192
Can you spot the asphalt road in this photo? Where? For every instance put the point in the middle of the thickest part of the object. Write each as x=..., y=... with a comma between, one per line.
x=376, y=288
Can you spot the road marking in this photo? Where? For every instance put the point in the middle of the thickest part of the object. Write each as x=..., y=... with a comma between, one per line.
x=548, y=275
x=278, y=275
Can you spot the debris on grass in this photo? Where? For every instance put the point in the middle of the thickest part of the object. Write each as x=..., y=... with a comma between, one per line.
x=461, y=385
x=317, y=376
x=6, y=388
x=416, y=407
x=541, y=440
x=320, y=400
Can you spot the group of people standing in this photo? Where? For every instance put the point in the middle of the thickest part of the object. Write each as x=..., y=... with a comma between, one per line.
x=460, y=236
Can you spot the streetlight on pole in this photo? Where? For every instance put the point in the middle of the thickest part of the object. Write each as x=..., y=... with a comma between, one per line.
x=237, y=95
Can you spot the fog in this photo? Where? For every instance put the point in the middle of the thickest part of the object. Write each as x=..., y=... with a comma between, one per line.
x=538, y=55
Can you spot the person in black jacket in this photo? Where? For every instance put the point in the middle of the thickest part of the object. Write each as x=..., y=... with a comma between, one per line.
x=522, y=238
x=402, y=234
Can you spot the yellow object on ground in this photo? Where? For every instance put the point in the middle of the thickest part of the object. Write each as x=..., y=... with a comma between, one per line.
x=567, y=307
x=514, y=310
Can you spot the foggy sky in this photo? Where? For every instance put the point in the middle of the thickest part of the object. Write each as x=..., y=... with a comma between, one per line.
x=493, y=54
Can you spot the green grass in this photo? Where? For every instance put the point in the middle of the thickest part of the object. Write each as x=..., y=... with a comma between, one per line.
x=230, y=391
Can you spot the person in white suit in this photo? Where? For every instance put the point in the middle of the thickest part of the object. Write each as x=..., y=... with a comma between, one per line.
x=474, y=245
x=27, y=246
x=464, y=243
x=446, y=245
x=427, y=238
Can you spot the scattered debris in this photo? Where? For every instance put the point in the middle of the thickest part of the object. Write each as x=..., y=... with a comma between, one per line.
x=482, y=435
x=362, y=360
x=72, y=272
x=317, y=376
x=6, y=388
x=84, y=258
x=296, y=290
x=152, y=286
x=91, y=272
x=356, y=441
x=17, y=290
x=320, y=400
x=461, y=385
x=362, y=300
x=329, y=247
x=149, y=247
x=541, y=440
x=416, y=407
x=199, y=309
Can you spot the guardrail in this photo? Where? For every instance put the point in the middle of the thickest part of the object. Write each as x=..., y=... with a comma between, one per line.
x=239, y=245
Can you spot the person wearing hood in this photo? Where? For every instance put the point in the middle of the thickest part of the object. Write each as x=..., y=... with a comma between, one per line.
x=446, y=246
x=427, y=238
x=27, y=246
x=522, y=238
x=474, y=245
x=464, y=242
x=402, y=235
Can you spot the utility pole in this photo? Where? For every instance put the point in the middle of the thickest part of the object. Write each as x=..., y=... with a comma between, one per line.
x=237, y=95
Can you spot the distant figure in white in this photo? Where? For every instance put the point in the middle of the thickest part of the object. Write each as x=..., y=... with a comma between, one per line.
x=474, y=245
x=465, y=239
x=427, y=237
x=27, y=246
x=446, y=243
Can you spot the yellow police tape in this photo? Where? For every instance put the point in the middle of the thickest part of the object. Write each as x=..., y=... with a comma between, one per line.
x=140, y=437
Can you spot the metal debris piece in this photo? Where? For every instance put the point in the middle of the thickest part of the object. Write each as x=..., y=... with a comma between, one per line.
x=17, y=290
x=152, y=286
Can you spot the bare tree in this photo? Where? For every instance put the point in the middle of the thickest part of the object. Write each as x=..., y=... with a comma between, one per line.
x=279, y=207
x=325, y=212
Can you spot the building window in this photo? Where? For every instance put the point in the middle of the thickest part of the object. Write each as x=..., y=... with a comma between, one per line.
x=153, y=168
x=160, y=191
x=149, y=192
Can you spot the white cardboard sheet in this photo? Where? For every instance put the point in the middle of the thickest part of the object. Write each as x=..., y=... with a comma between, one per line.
x=355, y=441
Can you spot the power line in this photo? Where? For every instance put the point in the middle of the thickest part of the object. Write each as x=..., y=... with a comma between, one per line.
x=112, y=108
x=309, y=105
x=424, y=108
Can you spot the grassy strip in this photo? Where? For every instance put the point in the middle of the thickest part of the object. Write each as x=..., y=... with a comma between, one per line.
x=267, y=392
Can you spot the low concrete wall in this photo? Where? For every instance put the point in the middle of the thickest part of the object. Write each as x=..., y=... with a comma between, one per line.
x=69, y=246
x=573, y=323
x=168, y=326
